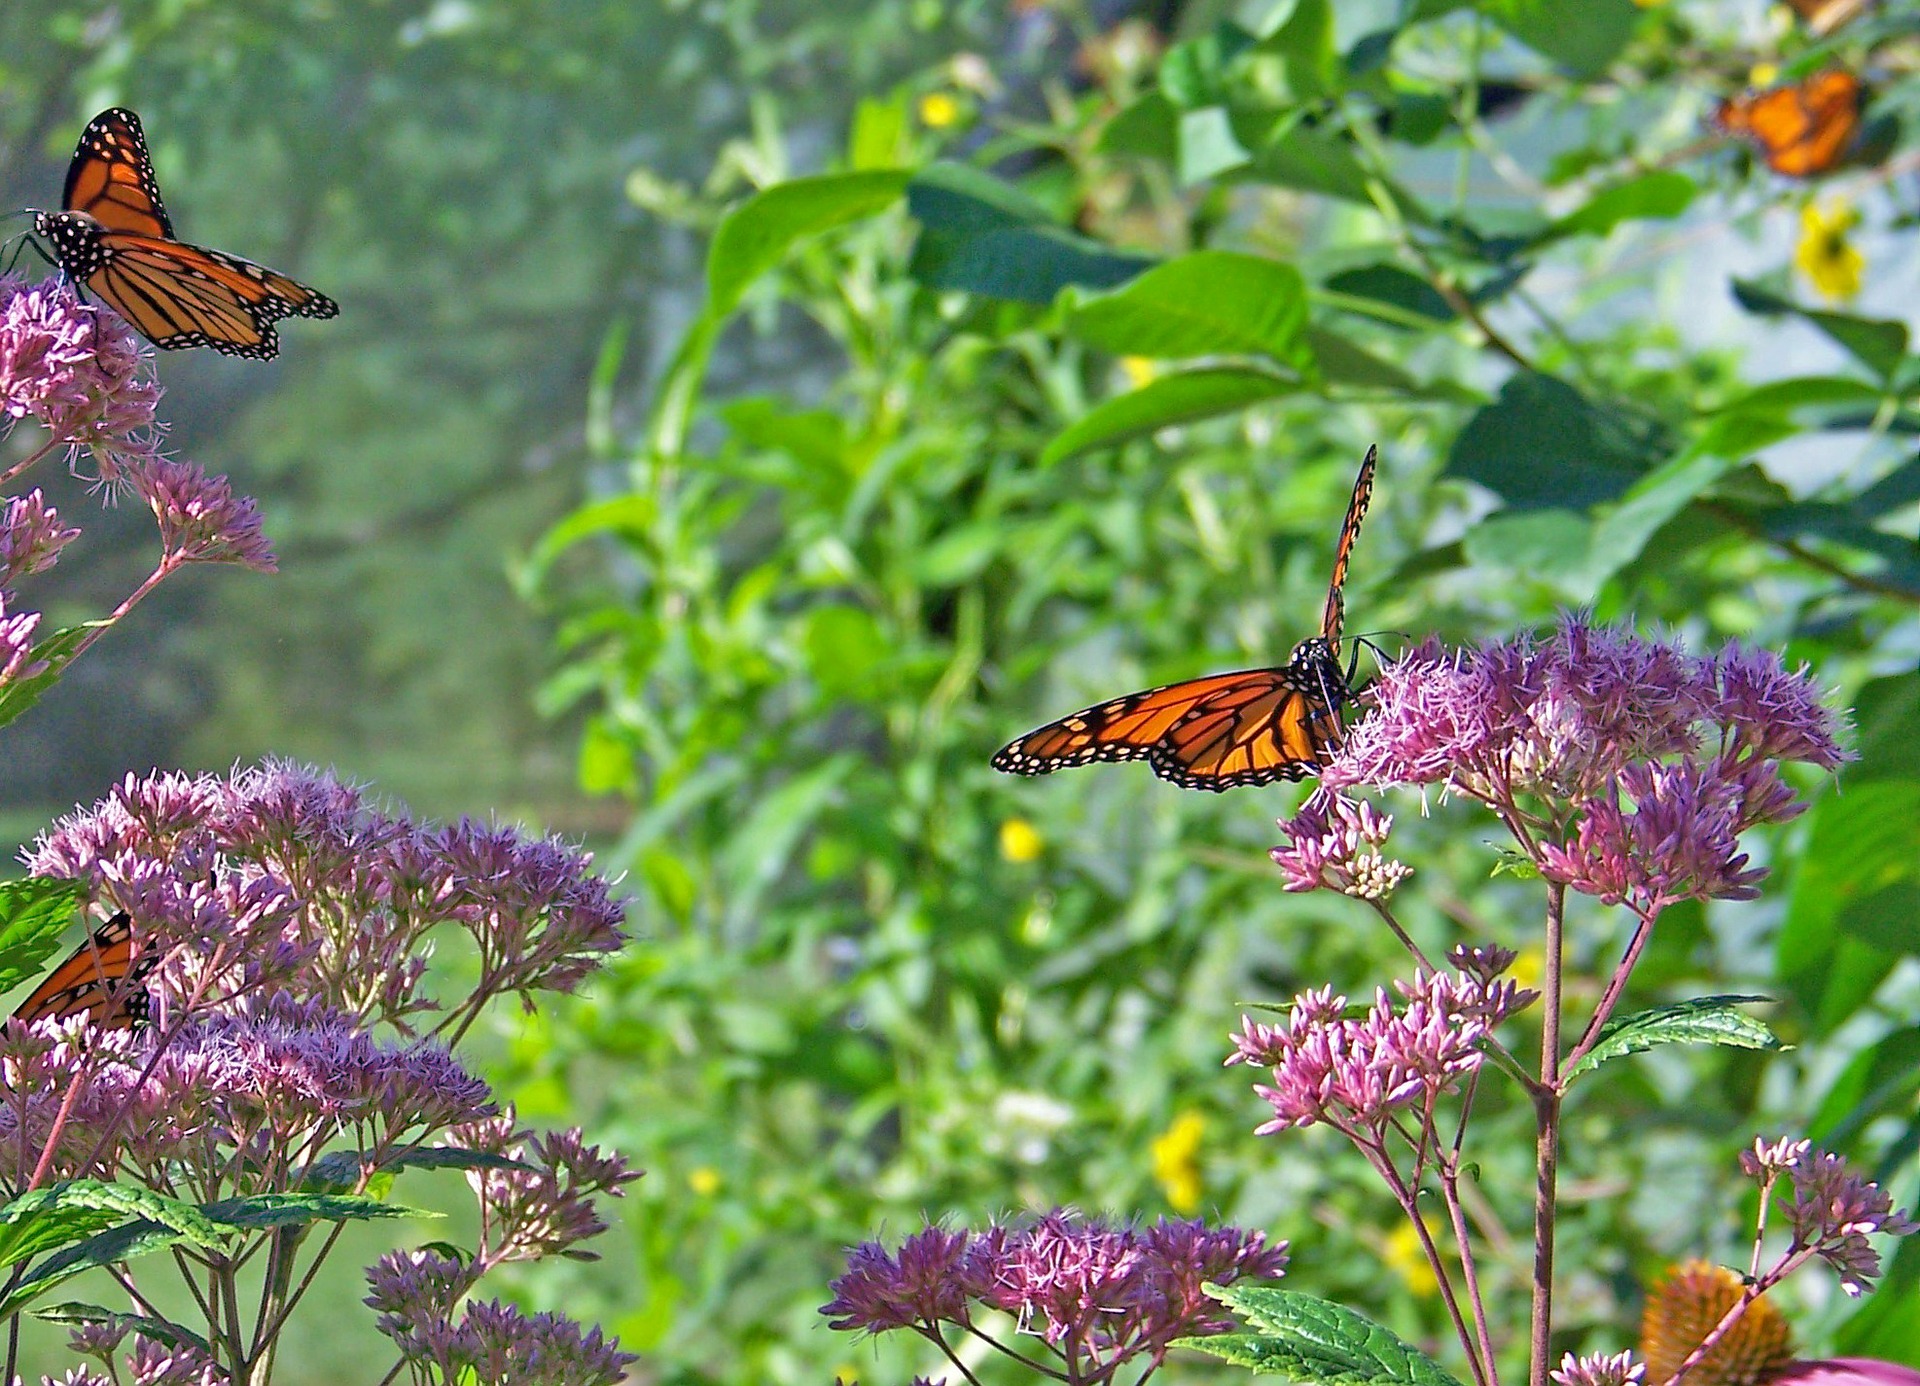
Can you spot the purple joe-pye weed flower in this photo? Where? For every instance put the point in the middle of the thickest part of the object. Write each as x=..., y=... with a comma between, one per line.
x=78, y=371
x=1600, y=1369
x=1333, y=843
x=367, y=887
x=201, y=519
x=77, y=1376
x=31, y=537
x=1095, y=1292
x=501, y=1346
x=1834, y=1211
x=413, y=1295
x=173, y=1364
x=1355, y=1073
x=1635, y=765
x=545, y=1206
x=16, y=643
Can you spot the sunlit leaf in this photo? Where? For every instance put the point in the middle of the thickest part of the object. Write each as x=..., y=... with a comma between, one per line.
x=1315, y=1342
x=1172, y=399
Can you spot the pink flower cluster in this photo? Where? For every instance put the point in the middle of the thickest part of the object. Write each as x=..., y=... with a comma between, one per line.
x=1833, y=1210
x=1097, y=1294
x=1626, y=767
x=1355, y=1073
x=1333, y=843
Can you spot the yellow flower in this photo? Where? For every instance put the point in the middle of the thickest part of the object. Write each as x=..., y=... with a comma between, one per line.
x=1763, y=74
x=1407, y=1259
x=1684, y=1307
x=1020, y=841
x=938, y=110
x=1176, y=1161
x=1829, y=260
x=1138, y=370
x=704, y=1180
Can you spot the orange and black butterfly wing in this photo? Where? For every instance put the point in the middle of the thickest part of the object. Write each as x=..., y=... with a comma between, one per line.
x=111, y=177
x=1803, y=129
x=1279, y=727
x=102, y=979
x=181, y=295
x=1126, y=728
x=1335, y=613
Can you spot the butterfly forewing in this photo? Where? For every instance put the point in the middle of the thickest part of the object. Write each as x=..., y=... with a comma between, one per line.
x=111, y=177
x=1802, y=129
x=1336, y=609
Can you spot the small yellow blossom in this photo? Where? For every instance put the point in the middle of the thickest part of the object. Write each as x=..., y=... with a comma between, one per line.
x=1529, y=968
x=1763, y=74
x=1138, y=370
x=1176, y=1161
x=1020, y=841
x=1831, y=262
x=1406, y=1258
x=704, y=1180
x=1649, y=4
x=938, y=110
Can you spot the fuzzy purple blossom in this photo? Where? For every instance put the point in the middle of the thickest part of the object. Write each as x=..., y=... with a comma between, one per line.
x=31, y=537
x=501, y=1346
x=1096, y=1293
x=541, y=1204
x=413, y=1295
x=201, y=519
x=1834, y=1211
x=1355, y=1073
x=1333, y=843
x=77, y=1376
x=168, y=1364
x=16, y=644
x=78, y=371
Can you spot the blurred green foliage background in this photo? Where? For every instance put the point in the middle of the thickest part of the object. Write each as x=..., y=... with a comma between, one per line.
x=741, y=566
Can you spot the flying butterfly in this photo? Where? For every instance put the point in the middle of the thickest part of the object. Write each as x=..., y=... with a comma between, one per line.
x=1802, y=129
x=1224, y=731
x=115, y=237
x=101, y=978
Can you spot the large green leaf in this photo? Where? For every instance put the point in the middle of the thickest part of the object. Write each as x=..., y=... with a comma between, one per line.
x=1854, y=899
x=50, y=658
x=987, y=237
x=75, y=1314
x=1208, y=303
x=267, y=1211
x=1316, y=1342
x=1702, y=1020
x=1880, y=344
x=68, y=1212
x=1172, y=399
x=1544, y=445
x=1397, y=287
x=1582, y=37
x=1194, y=72
x=1314, y=159
x=1881, y=1078
x=34, y=912
x=1623, y=531
x=758, y=234
x=1886, y=721
x=1304, y=43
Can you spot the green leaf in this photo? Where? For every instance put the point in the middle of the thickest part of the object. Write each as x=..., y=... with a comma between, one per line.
x=34, y=912
x=75, y=1314
x=1304, y=42
x=1657, y=196
x=1543, y=445
x=340, y=1169
x=987, y=237
x=758, y=234
x=1879, y=344
x=1844, y=930
x=1702, y=1020
x=1172, y=399
x=51, y=657
x=1315, y=160
x=1622, y=533
x=1206, y=146
x=1886, y=1326
x=263, y=1212
x=1881, y=1078
x=1316, y=1342
x=1583, y=37
x=1553, y=546
x=1194, y=73
x=1147, y=129
x=1208, y=303
x=1341, y=362
x=1886, y=720
x=1800, y=391
x=122, y=1243
x=67, y=1212
x=1393, y=285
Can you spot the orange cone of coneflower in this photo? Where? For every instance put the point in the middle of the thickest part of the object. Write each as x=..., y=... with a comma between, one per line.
x=1685, y=1306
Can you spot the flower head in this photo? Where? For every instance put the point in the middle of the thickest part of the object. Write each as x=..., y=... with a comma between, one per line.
x=1333, y=843
x=1834, y=1211
x=540, y=1204
x=1599, y=1369
x=31, y=537
x=918, y=1286
x=1687, y=1304
x=201, y=519
x=1826, y=254
x=77, y=370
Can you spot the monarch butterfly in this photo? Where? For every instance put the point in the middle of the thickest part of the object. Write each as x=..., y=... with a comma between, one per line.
x=102, y=978
x=115, y=237
x=1250, y=727
x=1802, y=129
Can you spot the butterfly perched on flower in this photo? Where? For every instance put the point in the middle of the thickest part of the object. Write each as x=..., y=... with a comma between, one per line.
x=1224, y=731
x=1802, y=129
x=102, y=978
x=115, y=237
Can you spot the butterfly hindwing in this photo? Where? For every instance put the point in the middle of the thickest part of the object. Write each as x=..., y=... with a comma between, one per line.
x=1802, y=129
x=101, y=978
